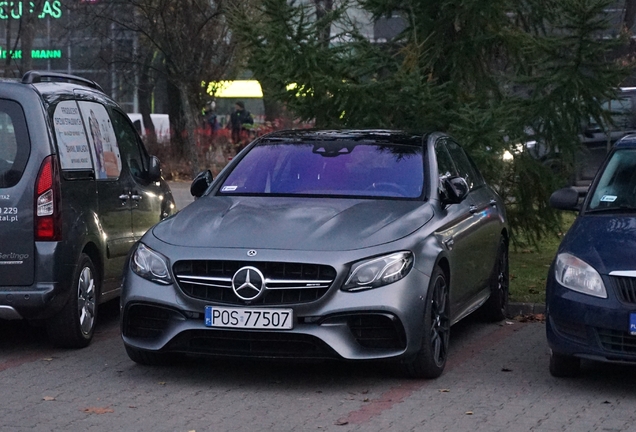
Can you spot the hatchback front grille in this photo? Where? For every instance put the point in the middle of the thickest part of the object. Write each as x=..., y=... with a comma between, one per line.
x=617, y=341
x=285, y=283
x=625, y=288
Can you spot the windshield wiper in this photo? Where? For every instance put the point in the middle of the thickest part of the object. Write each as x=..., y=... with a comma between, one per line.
x=613, y=209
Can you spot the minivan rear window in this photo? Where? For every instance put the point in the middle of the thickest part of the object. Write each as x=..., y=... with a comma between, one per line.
x=15, y=146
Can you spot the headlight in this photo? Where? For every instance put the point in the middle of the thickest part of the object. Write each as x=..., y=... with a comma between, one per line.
x=578, y=275
x=376, y=272
x=150, y=265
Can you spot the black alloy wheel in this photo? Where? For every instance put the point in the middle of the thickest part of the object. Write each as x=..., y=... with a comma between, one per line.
x=495, y=307
x=430, y=360
x=74, y=325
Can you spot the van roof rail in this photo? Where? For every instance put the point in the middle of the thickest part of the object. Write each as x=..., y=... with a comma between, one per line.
x=36, y=76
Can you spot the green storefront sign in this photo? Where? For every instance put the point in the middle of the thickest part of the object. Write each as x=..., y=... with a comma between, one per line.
x=35, y=54
x=18, y=9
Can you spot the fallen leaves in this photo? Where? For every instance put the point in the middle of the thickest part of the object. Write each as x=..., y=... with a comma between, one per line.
x=48, y=398
x=98, y=410
x=530, y=318
x=341, y=422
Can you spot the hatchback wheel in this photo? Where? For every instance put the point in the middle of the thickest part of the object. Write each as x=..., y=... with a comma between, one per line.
x=74, y=325
x=562, y=365
x=430, y=360
x=495, y=307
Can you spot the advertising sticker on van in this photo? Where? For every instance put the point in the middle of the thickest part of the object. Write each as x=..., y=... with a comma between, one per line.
x=71, y=138
x=101, y=136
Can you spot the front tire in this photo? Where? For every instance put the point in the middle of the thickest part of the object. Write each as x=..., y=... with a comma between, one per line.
x=564, y=366
x=495, y=307
x=74, y=325
x=430, y=360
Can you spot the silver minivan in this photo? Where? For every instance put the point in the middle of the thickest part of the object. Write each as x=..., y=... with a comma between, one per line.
x=77, y=190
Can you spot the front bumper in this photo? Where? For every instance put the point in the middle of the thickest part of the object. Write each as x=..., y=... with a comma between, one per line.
x=588, y=327
x=381, y=323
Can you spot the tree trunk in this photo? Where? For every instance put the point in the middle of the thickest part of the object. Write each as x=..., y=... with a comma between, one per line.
x=190, y=139
x=177, y=123
x=630, y=14
x=146, y=86
x=323, y=7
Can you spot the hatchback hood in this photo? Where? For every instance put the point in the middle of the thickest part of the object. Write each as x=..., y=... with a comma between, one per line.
x=292, y=223
x=606, y=242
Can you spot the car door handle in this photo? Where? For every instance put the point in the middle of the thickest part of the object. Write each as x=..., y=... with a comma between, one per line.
x=472, y=208
x=136, y=197
x=493, y=203
x=124, y=197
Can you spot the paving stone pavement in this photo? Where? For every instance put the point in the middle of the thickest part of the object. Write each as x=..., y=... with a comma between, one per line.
x=496, y=379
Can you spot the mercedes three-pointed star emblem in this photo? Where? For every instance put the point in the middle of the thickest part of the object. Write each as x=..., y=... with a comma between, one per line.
x=248, y=283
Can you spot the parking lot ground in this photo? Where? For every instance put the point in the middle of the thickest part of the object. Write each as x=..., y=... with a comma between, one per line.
x=496, y=379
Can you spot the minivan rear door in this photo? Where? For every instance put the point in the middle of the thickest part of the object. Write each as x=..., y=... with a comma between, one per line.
x=16, y=198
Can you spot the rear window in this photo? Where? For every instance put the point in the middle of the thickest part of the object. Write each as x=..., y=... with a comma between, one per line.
x=14, y=143
x=339, y=168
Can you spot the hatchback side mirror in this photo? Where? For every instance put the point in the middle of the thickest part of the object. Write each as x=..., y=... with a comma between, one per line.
x=154, y=169
x=201, y=183
x=565, y=199
x=455, y=189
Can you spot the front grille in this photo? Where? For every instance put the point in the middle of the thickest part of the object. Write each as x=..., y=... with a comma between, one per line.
x=625, y=288
x=286, y=283
x=377, y=331
x=617, y=341
x=147, y=321
x=251, y=344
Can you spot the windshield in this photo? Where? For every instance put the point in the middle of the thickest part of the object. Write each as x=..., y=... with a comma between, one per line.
x=616, y=188
x=335, y=168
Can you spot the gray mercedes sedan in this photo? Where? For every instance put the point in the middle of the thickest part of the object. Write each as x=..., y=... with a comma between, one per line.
x=352, y=245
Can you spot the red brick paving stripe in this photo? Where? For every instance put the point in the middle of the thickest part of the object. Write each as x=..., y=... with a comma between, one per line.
x=399, y=393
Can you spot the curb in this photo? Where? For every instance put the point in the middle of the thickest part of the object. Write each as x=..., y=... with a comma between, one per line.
x=517, y=309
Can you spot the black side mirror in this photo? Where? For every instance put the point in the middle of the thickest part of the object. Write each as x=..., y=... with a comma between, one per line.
x=455, y=189
x=201, y=183
x=565, y=199
x=154, y=169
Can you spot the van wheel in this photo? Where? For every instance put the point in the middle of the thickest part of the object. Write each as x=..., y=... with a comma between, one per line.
x=74, y=325
x=150, y=358
x=430, y=360
x=495, y=307
x=563, y=366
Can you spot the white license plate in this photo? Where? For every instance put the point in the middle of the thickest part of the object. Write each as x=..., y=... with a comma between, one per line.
x=282, y=319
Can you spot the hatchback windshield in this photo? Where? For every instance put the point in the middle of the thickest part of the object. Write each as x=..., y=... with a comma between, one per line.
x=616, y=188
x=336, y=168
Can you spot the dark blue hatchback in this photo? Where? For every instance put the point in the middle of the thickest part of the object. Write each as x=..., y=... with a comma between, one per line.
x=591, y=286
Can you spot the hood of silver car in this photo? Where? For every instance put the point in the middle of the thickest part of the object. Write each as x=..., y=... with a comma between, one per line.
x=328, y=224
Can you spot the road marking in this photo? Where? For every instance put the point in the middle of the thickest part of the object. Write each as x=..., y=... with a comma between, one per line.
x=401, y=392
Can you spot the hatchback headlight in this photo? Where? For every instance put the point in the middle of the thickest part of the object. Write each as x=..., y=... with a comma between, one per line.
x=150, y=265
x=376, y=272
x=577, y=275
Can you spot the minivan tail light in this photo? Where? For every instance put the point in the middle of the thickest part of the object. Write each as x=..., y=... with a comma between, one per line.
x=48, y=223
